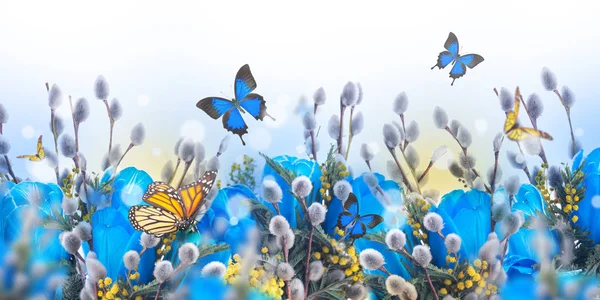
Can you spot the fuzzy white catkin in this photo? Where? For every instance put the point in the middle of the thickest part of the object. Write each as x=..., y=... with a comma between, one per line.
x=554, y=178
x=59, y=125
x=454, y=126
x=213, y=164
x=489, y=250
x=278, y=225
x=495, y=178
x=422, y=255
x=271, y=191
x=371, y=180
x=412, y=131
x=400, y=130
x=516, y=160
x=115, y=155
x=188, y=253
x=391, y=137
x=371, y=259
x=223, y=145
x=464, y=137
x=116, y=110
x=95, y=268
x=297, y=289
x=285, y=271
x=393, y=171
x=400, y=103
x=301, y=186
x=186, y=150
x=69, y=206
x=512, y=184
x=66, y=145
x=290, y=238
x=214, y=268
x=70, y=242
x=500, y=210
x=349, y=94
x=453, y=242
x=138, y=134
x=366, y=152
x=308, y=144
x=101, y=88
x=342, y=190
x=333, y=127
x=568, y=96
x=316, y=270
x=411, y=291
x=498, y=139
x=512, y=223
x=309, y=121
x=535, y=106
x=355, y=291
x=395, y=285
x=54, y=97
x=438, y=153
x=148, y=240
x=395, y=239
x=3, y=114
x=319, y=96
x=468, y=161
x=358, y=123
x=506, y=99
x=360, y=93
x=316, y=213
x=167, y=171
x=131, y=260
x=548, y=79
x=440, y=118
x=163, y=270
x=412, y=156
x=81, y=111
x=83, y=230
x=433, y=222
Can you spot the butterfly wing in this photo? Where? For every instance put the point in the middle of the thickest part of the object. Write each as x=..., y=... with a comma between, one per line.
x=458, y=70
x=233, y=121
x=193, y=195
x=153, y=220
x=358, y=230
x=244, y=83
x=215, y=107
x=40, y=153
x=522, y=133
x=471, y=60
x=351, y=205
x=451, y=44
x=162, y=195
x=512, y=116
x=444, y=59
x=371, y=220
x=255, y=105
x=345, y=219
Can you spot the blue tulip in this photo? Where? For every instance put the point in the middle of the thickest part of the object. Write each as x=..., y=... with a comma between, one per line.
x=111, y=232
x=589, y=206
x=289, y=205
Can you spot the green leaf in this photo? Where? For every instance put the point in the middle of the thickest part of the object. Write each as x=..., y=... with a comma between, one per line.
x=206, y=250
x=287, y=175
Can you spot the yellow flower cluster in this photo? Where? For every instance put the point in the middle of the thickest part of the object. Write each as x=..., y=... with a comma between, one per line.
x=414, y=221
x=343, y=170
x=473, y=278
x=325, y=186
x=167, y=241
x=109, y=290
x=343, y=258
x=572, y=200
x=260, y=279
x=540, y=180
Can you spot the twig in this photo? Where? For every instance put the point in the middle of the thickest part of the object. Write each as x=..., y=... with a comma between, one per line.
x=401, y=170
x=175, y=171
x=306, y=280
x=314, y=148
x=185, y=169
x=568, y=111
x=112, y=124
x=426, y=171
x=340, y=137
x=351, y=132
x=464, y=150
x=10, y=170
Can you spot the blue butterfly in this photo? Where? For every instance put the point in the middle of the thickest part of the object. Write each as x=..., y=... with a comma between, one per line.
x=354, y=223
x=460, y=62
x=244, y=101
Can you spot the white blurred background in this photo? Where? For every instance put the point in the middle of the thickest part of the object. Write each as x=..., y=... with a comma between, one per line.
x=160, y=59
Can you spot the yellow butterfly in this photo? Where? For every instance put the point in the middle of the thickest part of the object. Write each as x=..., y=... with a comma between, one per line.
x=171, y=209
x=41, y=154
x=517, y=133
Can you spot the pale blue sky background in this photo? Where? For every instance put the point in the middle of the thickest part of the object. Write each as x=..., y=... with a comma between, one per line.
x=160, y=59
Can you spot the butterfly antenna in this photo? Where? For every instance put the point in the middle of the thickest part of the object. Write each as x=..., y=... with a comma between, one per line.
x=267, y=114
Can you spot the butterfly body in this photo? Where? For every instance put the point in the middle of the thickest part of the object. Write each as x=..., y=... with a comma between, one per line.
x=459, y=62
x=244, y=101
x=514, y=131
x=355, y=224
x=171, y=210
x=39, y=155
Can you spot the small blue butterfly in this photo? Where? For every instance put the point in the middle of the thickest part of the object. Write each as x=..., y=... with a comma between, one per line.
x=244, y=101
x=459, y=61
x=354, y=223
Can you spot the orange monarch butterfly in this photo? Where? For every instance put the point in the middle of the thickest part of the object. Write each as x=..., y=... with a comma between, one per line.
x=517, y=133
x=39, y=155
x=171, y=209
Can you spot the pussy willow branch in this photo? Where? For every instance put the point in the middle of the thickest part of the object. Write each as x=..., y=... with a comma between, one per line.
x=426, y=171
x=314, y=148
x=412, y=171
x=175, y=171
x=351, y=135
x=54, y=135
x=112, y=124
x=404, y=129
x=307, y=272
x=568, y=111
x=340, y=139
x=404, y=178
x=464, y=150
x=185, y=170
x=414, y=261
x=493, y=187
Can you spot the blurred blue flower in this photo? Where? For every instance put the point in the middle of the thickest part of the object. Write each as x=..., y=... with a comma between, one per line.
x=589, y=206
x=466, y=214
x=200, y=286
x=228, y=219
x=288, y=204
